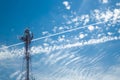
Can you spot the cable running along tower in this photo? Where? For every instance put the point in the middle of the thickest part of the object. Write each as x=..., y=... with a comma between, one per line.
x=26, y=38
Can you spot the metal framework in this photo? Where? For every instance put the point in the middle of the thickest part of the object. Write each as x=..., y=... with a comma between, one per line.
x=26, y=38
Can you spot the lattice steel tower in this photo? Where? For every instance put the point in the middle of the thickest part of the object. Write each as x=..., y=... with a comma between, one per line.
x=26, y=38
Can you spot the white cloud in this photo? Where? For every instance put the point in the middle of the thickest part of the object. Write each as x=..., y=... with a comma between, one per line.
x=81, y=36
x=108, y=16
x=67, y=5
x=116, y=14
x=61, y=28
x=75, y=19
x=91, y=28
x=89, y=42
x=6, y=53
x=61, y=38
x=45, y=33
x=104, y=1
x=45, y=44
x=86, y=21
x=96, y=27
x=109, y=33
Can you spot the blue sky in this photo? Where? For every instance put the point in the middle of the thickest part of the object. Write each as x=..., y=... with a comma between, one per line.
x=17, y=15
x=73, y=40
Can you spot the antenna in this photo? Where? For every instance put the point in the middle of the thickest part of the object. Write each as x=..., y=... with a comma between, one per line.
x=26, y=38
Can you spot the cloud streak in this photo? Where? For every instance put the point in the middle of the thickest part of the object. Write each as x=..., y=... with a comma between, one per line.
x=6, y=53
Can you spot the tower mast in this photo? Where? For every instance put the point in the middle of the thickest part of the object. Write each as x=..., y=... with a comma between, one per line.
x=26, y=38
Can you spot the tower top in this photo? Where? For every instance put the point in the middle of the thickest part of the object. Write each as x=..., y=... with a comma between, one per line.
x=27, y=36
